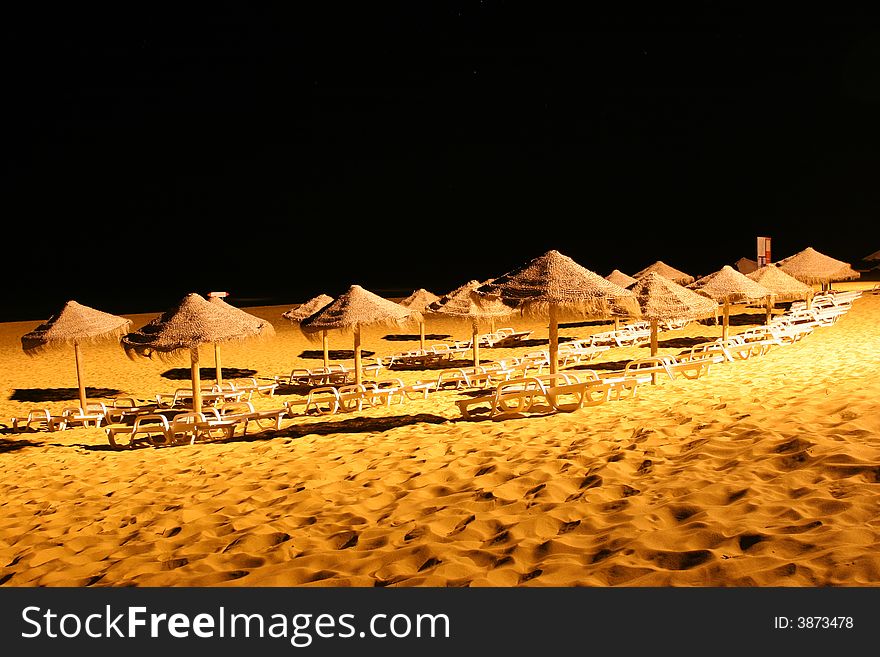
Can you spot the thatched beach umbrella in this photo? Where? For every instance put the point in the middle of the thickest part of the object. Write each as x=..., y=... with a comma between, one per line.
x=623, y=280
x=662, y=299
x=811, y=267
x=419, y=300
x=74, y=325
x=350, y=311
x=194, y=321
x=673, y=274
x=258, y=325
x=619, y=278
x=310, y=307
x=554, y=283
x=460, y=302
x=782, y=286
x=728, y=286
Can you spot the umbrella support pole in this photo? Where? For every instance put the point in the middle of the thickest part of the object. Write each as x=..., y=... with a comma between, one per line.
x=475, y=341
x=196, y=382
x=357, y=355
x=653, y=347
x=726, y=324
x=218, y=368
x=326, y=345
x=79, y=378
x=422, y=336
x=769, y=309
x=617, y=323
x=554, y=339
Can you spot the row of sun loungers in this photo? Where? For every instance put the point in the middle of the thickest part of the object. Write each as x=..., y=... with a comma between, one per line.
x=563, y=391
x=569, y=391
x=213, y=423
x=517, y=384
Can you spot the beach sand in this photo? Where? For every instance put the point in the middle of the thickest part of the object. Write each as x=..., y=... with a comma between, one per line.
x=766, y=472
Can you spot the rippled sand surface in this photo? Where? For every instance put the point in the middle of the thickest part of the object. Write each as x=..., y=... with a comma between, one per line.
x=766, y=472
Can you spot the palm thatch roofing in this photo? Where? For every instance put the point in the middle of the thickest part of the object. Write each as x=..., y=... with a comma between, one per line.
x=554, y=279
x=193, y=321
x=673, y=274
x=873, y=256
x=461, y=302
x=730, y=285
x=419, y=299
x=783, y=286
x=310, y=307
x=661, y=298
x=746, y=266
x=75, y=323
x=355, y=308
x=810, y=266
x=619, y=278
x=259, y=325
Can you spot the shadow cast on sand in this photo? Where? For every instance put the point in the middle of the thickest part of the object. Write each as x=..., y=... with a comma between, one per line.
x=348, y=425
x=613, y=365
x=681, y=343
x=334, y=354
x=7, y=445
x=437, y=366
x=207, y=373
x=592, y=322
x=404, y=337
x=60, y=394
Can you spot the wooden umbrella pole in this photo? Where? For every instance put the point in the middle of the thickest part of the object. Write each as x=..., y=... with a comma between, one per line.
x=326, y=350
x=357, y=355
x=554, y=339
x=810, y=299
x=769, y=308
x=725, y=325
x=653, y=346
x=492, y=324
x=617, y=323
x=217, y=367
x=422, y=336
x=196, y=382
x=475, y=342
x=79, y=377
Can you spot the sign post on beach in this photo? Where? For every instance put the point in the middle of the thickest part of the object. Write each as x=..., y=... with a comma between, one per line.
x=763, y=251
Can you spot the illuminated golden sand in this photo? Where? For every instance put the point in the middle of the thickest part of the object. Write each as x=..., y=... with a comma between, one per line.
x=764, y=473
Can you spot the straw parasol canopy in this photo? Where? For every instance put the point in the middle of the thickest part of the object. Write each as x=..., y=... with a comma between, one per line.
x=350, y=311
x=552, y=284
x=259, y=325
x=74, y=325
x=782, y=286
x=727, y=286
x=619, y=278
x=192, y=322
x=310, y=307
x=673, y=274
x=461, y=302
x=419, y=300
x=811, y=267
x=662, y=299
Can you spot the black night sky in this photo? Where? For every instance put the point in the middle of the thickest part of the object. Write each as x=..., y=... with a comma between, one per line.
x=281, y=151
